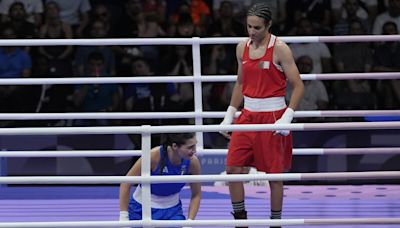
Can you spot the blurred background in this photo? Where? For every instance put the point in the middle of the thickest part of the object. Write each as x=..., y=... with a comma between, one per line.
x=57, y=19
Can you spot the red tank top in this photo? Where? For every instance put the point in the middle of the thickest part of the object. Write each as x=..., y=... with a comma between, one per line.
x=261, y=77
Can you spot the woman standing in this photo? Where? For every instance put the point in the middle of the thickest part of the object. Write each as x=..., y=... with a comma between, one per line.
x=265, y=63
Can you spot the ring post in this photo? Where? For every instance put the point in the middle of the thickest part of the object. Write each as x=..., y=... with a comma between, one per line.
x=146, y=169
x=3, y=169
x=198, y=100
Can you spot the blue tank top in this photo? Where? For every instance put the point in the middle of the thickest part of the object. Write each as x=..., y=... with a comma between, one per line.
x=166, y=189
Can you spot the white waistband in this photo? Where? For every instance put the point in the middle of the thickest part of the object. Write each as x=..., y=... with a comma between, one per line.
x=264, y=104
x=160, y=202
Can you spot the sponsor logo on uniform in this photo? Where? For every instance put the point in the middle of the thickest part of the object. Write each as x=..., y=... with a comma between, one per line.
x=183, y=169
x=264, y=65
x=165, y=170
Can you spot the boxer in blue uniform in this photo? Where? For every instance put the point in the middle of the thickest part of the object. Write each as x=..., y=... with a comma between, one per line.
x=175, y=157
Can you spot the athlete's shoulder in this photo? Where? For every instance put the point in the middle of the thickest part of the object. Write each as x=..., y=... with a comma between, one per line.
x=194, y=158
x=279, y=43
x=282, y=48
x=240, y=47
x=195, y=165
x=242, y=43
x=155, y=154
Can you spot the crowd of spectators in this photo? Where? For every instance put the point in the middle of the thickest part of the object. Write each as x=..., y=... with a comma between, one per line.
x=60, y=19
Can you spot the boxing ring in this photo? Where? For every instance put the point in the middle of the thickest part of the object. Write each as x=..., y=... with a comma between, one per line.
x=94, y=206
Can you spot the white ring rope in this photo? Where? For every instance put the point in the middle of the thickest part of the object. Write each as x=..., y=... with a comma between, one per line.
x=190, y=41
x=180, y=115
x=346, y=76
x=200, y=128
x=213, y=222
x=129, y=153
x=182, y=79
x=367, y=175
x=346, y=113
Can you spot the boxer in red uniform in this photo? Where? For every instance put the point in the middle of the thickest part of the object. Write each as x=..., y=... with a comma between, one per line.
x=265, y=63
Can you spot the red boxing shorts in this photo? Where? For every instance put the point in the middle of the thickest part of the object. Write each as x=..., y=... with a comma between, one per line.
x=260, y=149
